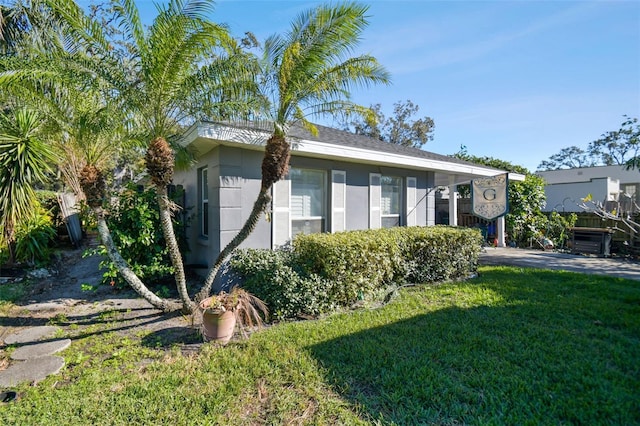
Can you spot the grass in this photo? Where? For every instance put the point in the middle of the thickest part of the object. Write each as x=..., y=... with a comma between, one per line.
x=513, y=346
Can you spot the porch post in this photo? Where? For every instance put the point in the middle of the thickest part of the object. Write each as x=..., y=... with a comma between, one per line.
x=453, y=201
x=500, y=231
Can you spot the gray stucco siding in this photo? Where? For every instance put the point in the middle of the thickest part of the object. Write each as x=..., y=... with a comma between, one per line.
x=234, y=177
x=357, y=187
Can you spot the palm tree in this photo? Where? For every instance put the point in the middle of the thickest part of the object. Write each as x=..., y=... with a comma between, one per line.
x=180, y=63
x=25, y=160
x=309, y=71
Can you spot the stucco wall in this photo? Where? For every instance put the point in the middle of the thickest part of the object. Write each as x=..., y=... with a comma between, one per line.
x=234, y=181
x=566, y=197
x=357, y=195
x=585, y=174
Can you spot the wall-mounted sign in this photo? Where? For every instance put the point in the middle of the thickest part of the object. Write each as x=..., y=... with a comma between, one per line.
x=489, y=196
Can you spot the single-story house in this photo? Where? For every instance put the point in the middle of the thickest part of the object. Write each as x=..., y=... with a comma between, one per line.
x=337, y=181
x=565, y=188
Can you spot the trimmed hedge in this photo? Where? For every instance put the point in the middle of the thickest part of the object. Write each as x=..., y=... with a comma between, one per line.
x=364, y=261
x=323, y=271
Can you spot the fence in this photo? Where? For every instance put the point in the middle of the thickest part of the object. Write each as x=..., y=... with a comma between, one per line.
x=591, y=220
x=585, y=220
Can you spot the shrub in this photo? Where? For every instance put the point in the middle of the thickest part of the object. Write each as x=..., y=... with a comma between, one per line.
x=49, y=201
x=438, y=253
x=274, y=277
x=358, y=262
x=558, y=227
x=365, y=261
x=134, y=221
x=326, y=271
x=34, y=237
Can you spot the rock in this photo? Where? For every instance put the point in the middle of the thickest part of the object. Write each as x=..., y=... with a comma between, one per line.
x=39, y=273
x=32, y=370
x=32, y=334
x=38, y=350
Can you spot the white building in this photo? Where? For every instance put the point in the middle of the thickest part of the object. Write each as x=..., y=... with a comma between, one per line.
x=564, y=188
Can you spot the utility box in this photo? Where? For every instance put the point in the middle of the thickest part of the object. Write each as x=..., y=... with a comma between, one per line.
x=592, y=241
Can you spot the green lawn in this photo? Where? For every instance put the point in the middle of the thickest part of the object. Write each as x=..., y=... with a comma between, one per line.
x=513, y=346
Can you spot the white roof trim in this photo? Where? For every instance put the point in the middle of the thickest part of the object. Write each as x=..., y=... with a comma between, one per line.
x=229, y=135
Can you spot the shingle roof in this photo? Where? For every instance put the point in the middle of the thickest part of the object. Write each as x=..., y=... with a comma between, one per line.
x=341, y=137
x=337, y=137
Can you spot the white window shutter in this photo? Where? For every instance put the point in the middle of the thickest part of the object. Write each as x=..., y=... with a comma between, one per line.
x=281, y=213
x=338, y=200
x=375, y=195
x=411, y=201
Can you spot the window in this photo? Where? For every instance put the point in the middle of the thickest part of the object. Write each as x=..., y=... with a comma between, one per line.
x=631, y=190
x=308, y=200
x=390, y=203
x=203, y=194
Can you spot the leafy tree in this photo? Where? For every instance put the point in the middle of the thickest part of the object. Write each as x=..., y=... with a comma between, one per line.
x=525, y=220
x=25, y=160
x=569, y=158
x=307, y=71
x=180, y=68
x=619, y=146
x=400, y=129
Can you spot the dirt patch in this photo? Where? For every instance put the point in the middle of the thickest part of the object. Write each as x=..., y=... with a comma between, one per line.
x=73, y=298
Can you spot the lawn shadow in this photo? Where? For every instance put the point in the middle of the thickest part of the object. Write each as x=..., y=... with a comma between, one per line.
x=485, y=364
x=174, y=336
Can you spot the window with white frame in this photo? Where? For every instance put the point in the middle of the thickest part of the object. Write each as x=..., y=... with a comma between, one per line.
x=308, y=201
x=203, y=195
x=391, y=201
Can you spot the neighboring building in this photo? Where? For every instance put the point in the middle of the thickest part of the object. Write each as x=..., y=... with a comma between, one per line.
x=566, y=187
x=337, y=181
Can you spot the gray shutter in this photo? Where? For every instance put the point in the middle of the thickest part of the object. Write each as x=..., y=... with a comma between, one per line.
x=281, y=213
x=411, y=201
x=338, y=200
x=375, y=196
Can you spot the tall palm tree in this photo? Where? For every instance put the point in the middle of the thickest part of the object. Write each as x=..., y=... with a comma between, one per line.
x=25, y=160
x=308, y=71
x=164, y=72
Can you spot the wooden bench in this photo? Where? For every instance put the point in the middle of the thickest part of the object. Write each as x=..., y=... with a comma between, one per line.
x=592, y=241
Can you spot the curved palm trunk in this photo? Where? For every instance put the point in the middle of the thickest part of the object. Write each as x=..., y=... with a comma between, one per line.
x=275, y=164
x=259, y=206
x=174, y=250
x=125, y=270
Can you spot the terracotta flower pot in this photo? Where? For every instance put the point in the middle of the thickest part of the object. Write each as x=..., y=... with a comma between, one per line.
x=217, y=326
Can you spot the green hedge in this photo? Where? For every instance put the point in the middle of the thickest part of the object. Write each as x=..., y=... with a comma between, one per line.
x=323, y=271
x=276, y=278
x=364, y=261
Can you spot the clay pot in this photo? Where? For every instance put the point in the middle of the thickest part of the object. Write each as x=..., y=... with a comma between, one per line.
x=217, y=326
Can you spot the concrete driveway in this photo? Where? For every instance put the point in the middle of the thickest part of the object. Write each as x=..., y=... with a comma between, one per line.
x=614, y=267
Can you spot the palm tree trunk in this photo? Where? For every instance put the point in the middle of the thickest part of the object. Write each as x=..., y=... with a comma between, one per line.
x=174, y=250
x=275, y=164
x=124, y=269
x=259, y=206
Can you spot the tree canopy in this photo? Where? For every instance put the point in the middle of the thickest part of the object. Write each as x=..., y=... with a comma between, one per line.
x=400, y=129
x=617, y=147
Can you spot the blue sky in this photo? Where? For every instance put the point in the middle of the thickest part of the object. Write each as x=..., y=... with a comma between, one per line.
x=515, y=80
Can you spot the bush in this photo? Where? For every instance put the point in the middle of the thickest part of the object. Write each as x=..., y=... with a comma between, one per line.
x=49, y=201
x=34, y=237
x=134, y=221
x=438, y=253
x=274, y=277
x=558, y=227
x=359, y=262
x=325, y=271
